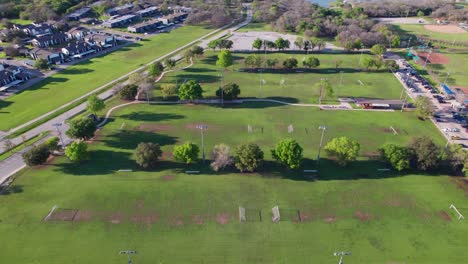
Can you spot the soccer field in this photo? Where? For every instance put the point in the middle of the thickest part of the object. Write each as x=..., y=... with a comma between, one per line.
x=171, y=217
x=298, y=86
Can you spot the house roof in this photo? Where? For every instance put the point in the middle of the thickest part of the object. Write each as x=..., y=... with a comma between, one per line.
x=79, y=12
x=5, y=75
x=54, y=36
x=148, y=10
x=77, y=30
x=42, y=53
x=118, y=8
x=146, y=23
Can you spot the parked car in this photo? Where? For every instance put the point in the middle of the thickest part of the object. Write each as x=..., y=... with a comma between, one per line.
x=455, y=137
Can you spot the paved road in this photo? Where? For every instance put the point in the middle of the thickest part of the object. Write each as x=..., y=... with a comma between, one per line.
x=15, y=163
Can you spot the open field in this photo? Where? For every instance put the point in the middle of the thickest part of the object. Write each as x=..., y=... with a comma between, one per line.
x=297, y=86
x=256, y=27
x=421, y=30
x=457, y=63
x=170, y=217
x=84, y=77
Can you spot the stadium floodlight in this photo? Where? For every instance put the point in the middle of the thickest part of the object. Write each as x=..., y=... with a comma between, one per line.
x=341, y=254
x=323, y=128
x=129, y=253
x=202, y=129
x=57, y=126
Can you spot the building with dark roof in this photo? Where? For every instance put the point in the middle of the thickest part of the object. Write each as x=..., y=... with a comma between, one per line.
x=50, y=56
x=79, y=49
x=119, y=21
x=380, y=104
x=34, y=29
x=50, y=40
x=120, y=10
x=149, y=25
x=78, y=14
x=77, y=33
x=150, y=11
x=103, y=41
x=173, y=18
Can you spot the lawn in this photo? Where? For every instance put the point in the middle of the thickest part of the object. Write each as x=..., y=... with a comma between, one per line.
x=297, y=86
x=84, y=77
x=458, y=62
x=419, y=30
x=171, y=217
x=256, y=27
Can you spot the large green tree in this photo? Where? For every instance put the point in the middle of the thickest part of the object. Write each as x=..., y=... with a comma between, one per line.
x=378, y=49
x=424, y=106
x=344, y=149
x=311, y=62
x=248, y=157
x=225, y=59
x=425, y=153
x=77, y=151
x=290, y=63
x=229, y=91
x=155, y=69
x=288, y=152
x=147, y=154
x=257, y=44
x=82, y=128
x=36, y=155
x=187, y=153
x=190, y=90
x=398, y=156
x=95, y=104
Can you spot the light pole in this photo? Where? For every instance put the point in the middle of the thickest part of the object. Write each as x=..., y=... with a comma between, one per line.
x=427, y=58
x=409, y=43
x=341, y=254
x=360, y=58
x=129, y=253
x=446, y=78
x=323, y=128
x=57, y=126
x=341, y=78
x=202, y=129
x=221, y=88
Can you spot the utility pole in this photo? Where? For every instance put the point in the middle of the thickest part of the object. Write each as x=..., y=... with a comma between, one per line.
x=129, y=253
x=323, y=128
x=341, y=78
x=427, y=58
x=409, y=43
x=57, y=126
x=446, y=78
x=321, y=90
x=404, y=103
x=202, y=129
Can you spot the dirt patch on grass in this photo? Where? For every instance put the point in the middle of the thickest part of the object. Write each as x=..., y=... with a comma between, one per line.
x=145, y=219
x=462, y=183
x=167, y=177
x=363, y=216
x=115, y=218
x=156, y=127
x=176, y=222
x=388, y=130
x=451, y=29
x=83, y=215
x=435, y=58
x=223, y=218
x=444, y=216
x=330, y=219
x=140, y=204
x=198, y=219
x=167, y=155
x=305, y=217
x=63, y=215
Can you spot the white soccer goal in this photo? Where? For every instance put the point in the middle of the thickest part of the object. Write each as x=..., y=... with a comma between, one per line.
x=242, y=217
x=360, y=82
x=394, y=131
x=50, y=213
x=460, y=216
x=122, y=126
x=276, y=214
x=249, y=129
x=290, y=128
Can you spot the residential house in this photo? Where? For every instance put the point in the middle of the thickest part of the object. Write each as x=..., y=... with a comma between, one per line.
x=150, y=11
x=11, y=75
x=50, y=56
x=119, y=21
x=102, y=41
x=6, y=78
x=149, y=25
x=89, y=20
x=34, y=29
x=79, y=49
x=18, y=73
x=78, y=14
x=77, y=33
x=173, y=18
x=50, y=40
x=120, y=10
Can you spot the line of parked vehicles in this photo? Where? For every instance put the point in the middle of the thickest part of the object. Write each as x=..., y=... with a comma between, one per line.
x=412, y=78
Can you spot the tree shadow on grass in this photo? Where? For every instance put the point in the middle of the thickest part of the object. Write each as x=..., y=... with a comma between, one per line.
x=199, y=70
x=100, y=162
x=11, y=189
x=257, y=105
x=150, y=116
x=4, y=104
x=76, y=71
x=180, y=78
x=129, y=139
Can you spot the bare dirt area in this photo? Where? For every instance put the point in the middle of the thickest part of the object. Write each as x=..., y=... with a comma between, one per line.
x=63, y=215
x=115, y=218
x=462, y=183
x=435, y=58
x=223, y=218
x=198, y=219
x=445, y=216
x=167, y=177
x=145, y=219
x=82, y=216
x=193, y=127
x=363, y=216
x=451, y=29
x=156, y=127
x=330, y=219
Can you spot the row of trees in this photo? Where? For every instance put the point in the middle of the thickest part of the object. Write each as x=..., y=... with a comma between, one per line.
x=256, y=61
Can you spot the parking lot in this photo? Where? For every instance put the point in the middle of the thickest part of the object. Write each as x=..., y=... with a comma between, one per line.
x=446, y=117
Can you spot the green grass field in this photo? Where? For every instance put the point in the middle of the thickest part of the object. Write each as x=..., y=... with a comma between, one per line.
x=297, y=87
x=256, y=27
x=84, y=77
x=419, y=30
x=455, y=68
x=171, y=217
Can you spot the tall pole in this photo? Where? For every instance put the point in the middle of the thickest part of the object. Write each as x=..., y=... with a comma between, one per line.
x=427, y=58
x=341, y=78
x=446, y=78
x=404, y=103
x=321, y=89
x=57, y=127
x=129, y=253
x=323, y=128
x=409, y=43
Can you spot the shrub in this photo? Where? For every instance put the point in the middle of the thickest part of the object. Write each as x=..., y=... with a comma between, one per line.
x=230, y=91
x=128, y=92
x=344, y=149
x=168, y=90
x=77, y=151
x=221, y=157
x=248, y=157
x=82, y=128
x=52, y=143
x=147, y=154
x=187, y=153
x=288, y=152
x=36, y=155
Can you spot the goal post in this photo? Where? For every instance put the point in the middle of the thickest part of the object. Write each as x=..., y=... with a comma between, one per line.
x=242, y=217
x=50, y=213
x=460, y=216
x=276, y=214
